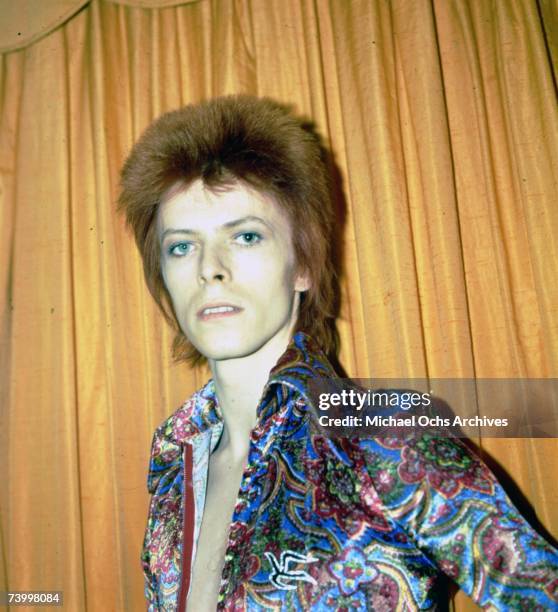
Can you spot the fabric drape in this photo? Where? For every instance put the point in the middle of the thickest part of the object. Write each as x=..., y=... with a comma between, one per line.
x=443, y=119
x=25, y=21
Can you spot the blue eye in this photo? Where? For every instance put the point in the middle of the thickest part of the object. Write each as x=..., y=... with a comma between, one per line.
x=248, y=238
x=179, y=249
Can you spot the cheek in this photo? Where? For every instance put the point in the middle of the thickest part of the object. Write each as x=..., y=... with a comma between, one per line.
x=271, y=269
x=178, y=282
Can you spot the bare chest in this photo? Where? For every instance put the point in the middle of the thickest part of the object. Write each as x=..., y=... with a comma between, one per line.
x=222, y=490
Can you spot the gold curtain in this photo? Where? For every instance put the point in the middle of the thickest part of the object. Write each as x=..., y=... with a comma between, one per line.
x=444, y=122
x=23, y=22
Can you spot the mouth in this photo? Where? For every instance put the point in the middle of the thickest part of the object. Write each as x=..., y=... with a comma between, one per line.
x=217, y=311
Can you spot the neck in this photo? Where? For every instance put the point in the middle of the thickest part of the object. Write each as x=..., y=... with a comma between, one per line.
x=239, y=385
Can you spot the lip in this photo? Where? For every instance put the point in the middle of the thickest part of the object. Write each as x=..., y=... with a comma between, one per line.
x=202, y=315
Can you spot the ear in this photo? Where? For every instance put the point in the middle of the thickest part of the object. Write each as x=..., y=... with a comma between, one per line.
x=302, y=282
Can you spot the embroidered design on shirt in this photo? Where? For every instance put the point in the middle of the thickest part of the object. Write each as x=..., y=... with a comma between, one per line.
x=281, y=573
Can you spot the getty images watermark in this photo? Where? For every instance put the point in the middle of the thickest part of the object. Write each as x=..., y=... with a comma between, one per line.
x=362, y=401
x=508, y=408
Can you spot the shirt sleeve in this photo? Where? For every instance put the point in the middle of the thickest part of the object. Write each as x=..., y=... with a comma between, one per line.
x=150, y=589
x=458, y=514
x=150, y=581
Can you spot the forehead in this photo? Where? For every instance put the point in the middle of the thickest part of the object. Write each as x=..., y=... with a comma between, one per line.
x=199, y=208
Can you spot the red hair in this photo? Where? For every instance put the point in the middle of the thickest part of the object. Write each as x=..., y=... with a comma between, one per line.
x=223, y=141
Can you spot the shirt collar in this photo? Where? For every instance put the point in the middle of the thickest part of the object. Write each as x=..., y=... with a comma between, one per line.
x=302, y=362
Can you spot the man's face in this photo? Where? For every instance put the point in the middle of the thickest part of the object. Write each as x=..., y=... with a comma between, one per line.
x=228, y=264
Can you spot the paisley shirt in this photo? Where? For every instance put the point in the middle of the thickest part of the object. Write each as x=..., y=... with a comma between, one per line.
x=338, y=524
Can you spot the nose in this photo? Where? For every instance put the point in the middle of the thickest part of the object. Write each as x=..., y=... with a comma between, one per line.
x=212, y=265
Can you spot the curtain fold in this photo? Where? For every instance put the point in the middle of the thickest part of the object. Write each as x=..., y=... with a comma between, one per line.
x=442, y=116
x=23, y=22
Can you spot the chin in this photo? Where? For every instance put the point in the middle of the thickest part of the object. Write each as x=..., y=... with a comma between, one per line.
x=229, y=348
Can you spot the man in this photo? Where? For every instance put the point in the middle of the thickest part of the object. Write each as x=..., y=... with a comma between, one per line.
x=232, y=212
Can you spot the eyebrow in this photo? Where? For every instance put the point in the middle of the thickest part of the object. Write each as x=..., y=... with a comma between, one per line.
x=228, y=225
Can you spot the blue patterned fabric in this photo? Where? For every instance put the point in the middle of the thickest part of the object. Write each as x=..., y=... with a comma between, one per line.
x=341, y=524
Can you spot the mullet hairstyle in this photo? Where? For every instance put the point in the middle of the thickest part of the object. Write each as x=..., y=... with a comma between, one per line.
x=223, y=142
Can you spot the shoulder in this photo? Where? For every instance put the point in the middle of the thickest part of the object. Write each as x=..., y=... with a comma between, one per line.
x=441, y=466
x=397, y=467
